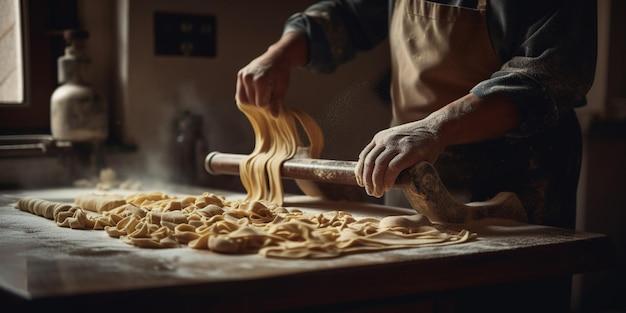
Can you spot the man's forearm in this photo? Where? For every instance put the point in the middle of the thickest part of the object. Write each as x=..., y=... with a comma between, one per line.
x=294, y=48
x=471, y=119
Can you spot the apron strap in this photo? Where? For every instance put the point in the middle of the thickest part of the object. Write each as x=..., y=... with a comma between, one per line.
x=482, y=5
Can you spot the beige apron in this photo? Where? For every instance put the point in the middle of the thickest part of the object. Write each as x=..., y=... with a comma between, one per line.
x=438, y=54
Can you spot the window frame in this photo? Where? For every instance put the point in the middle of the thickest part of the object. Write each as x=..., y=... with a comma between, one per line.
x=25, y=79
x=40, y=21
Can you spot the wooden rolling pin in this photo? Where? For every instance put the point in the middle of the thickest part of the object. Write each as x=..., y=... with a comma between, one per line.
x=421, y=186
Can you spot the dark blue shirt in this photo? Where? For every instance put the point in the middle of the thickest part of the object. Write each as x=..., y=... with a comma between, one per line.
x=547, y=48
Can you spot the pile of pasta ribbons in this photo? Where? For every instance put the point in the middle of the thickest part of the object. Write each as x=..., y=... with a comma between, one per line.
x=157, y=220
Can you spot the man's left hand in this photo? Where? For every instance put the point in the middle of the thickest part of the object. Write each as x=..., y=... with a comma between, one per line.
x=393, y=150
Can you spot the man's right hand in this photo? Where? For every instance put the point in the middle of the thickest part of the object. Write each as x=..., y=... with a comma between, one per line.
x=265, y=80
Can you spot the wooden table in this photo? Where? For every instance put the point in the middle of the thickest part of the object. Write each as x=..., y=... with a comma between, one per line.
x=517, y=266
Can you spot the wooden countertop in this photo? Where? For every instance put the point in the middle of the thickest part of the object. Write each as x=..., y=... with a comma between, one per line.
x=43, y=263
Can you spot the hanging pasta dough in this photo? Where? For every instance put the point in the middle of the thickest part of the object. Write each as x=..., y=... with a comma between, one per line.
x=276, y=140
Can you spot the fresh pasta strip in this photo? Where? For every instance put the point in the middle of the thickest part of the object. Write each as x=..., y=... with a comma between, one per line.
x=276, y=140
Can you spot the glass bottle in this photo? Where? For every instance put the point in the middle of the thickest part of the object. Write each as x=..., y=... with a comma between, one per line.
x=77, y=112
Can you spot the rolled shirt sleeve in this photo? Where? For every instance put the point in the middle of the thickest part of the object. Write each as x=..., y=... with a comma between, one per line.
x=548, y=49
x=549, y=59
x=338, y=29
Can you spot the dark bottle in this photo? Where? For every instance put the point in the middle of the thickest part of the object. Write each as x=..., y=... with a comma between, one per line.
x=189, y=144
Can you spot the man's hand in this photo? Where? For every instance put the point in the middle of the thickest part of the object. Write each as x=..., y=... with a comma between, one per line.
x=466, y=120
x=393, y=150
x=265, y=80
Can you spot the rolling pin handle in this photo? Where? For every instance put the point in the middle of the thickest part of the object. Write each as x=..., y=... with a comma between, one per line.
x=207, y=163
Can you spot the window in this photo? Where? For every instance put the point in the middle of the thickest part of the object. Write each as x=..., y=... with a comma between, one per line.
x=11, y=57
x=29, y=46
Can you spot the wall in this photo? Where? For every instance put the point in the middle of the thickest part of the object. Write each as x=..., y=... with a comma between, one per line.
x=145, y=91
x=600, y=195
x=154, y=88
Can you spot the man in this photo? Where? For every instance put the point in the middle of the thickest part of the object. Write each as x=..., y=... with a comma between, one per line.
x=484, y=89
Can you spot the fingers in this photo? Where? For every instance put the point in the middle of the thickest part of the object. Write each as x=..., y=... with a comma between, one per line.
x=368, y=168
x=379, y=167
x=358, y=172
x=398, y=164
x=249, y=88
x=379, y=171
x=277, y=98
x=390, y=152
x=262, y=93
x=275, y=107
x=240, y=94
x=264, y=81
x=259, y=91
